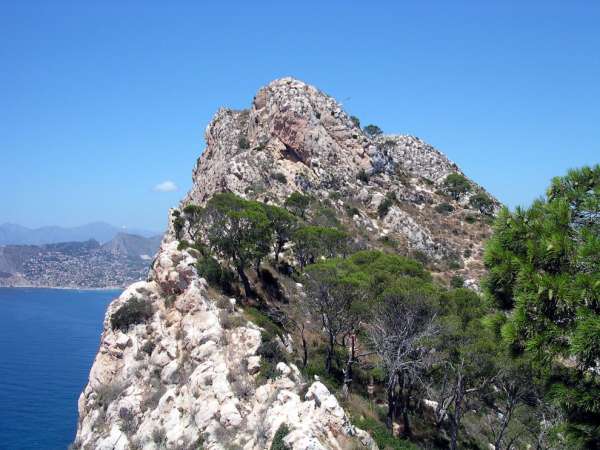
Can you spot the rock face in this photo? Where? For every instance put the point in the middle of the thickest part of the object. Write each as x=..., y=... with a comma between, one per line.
x=296, y=138
x=186, y=376
x=185, y=379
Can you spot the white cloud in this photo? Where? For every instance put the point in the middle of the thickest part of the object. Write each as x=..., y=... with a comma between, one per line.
x=165, y=186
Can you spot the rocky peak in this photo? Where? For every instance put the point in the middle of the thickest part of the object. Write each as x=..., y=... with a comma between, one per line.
x=177, y=365
x=296, y=138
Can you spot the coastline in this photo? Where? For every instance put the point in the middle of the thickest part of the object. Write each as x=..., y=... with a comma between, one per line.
x=67, y=288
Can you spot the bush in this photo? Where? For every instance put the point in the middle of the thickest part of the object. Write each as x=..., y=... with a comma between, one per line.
x=216, y=275
x=362, y=176
x=381, y=435
x=372, y=131
x=355, y=120
x=134, y=311
x=352, y=211
x=483, y=203
x=280, y=434
x=243, y=142
x=386, y=204
x=470, y=219
x=457, y=282
x=278, y=176
x=456, y=185
x=444, y=208
x=230, y=320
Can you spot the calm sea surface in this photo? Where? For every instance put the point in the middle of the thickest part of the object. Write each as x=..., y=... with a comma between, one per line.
x=48, y=340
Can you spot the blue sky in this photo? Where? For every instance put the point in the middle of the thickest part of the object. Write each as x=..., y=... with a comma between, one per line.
x=102, y=101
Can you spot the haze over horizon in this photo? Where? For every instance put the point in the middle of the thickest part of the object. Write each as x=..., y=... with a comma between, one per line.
x=104, y=111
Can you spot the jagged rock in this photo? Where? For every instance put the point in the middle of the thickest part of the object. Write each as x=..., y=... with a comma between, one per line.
x=181, y=375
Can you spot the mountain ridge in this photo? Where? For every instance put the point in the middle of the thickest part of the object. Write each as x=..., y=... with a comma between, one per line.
x=15, y=234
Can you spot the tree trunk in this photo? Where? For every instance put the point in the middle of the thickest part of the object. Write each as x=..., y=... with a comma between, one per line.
x=406, y=393
x=391, y=395
x=456, y=417
x=330, y=349
x=278, y=249
x=245, y=282
x=304, y=349
x=348, y=368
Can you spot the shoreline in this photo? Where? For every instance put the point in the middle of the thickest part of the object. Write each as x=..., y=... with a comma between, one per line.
x=67, y=288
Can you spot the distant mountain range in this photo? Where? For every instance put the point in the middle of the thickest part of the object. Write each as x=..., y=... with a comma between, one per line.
x=12, y=234
x=79, y=264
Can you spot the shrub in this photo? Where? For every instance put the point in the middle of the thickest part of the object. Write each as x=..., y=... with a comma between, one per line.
x=483, y=203
x=386, y=204
x=381, y=435
x=216, y=275
x=148, y=347
x=278, y=439
x=352, y=211
x=297, y=203
x=278, y=176
x=107, y=393
x=457, y=282
x=134, y=311
x=389, y=241
x=355, y=120
x=362, y=176
x=128, y=423
x=454, y=264
x=456, y=185
x=372, y=131
x=470, y=219
x=444, y=208
x=230, y=321
x=243, y=142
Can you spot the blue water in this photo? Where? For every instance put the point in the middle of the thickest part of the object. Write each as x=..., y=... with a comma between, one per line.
x=48, y=341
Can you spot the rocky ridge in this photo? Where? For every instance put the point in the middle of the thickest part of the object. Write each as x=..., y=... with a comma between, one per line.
x=296, y=138
x=186, y=377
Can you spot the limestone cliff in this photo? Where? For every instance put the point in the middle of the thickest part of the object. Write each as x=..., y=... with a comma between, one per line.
x=185, y=376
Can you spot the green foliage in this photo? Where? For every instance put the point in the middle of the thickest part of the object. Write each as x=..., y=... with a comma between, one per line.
x=457, y=281
x=216, y=275
x=543, y=266
x=192, y=214
x=297, y=204
x=372, y=131
x=238, y=230
x=280, y=434
x=483, y=203
x=279, y=176
x=456, y=185
x=134, y=311
x=311, y=242
x=271, y=329
x=243, y=143
x=178, y=223
x=283, y=224
x=352, y=211
x=444, y=208
x=385, y=205
x=355, y=120
x=470, y=219
x=363, y=176
x=382, y=436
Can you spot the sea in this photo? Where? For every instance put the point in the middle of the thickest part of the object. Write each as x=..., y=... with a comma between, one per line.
x=48, y=341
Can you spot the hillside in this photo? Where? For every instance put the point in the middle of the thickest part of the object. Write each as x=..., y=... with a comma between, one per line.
x=86, y=264
x=193, y=358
